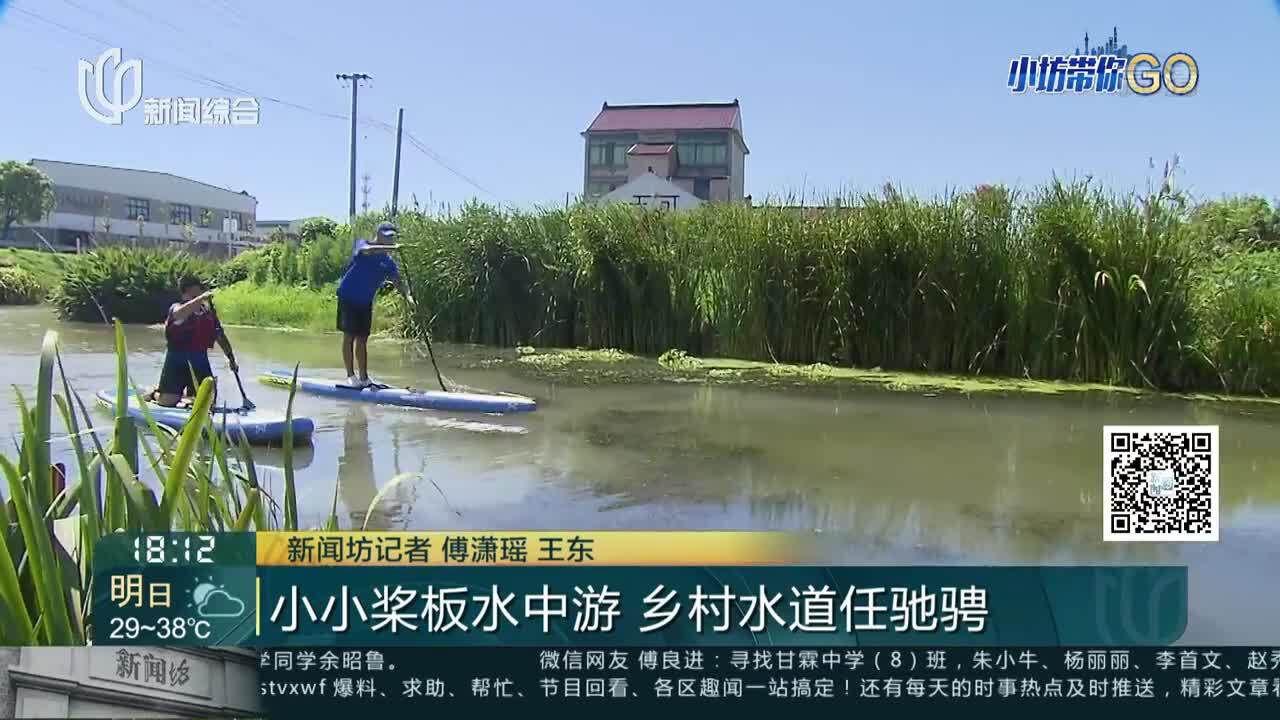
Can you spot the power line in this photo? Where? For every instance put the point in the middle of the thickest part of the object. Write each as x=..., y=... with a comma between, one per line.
x=192, y=75
x=217, y=84
x=435, y=157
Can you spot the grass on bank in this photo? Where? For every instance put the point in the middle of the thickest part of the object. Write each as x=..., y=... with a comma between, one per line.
x=294, y=307
x=47, y=267
x=28, y=276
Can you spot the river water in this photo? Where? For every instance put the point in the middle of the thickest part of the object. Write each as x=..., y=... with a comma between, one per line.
x=887, y=478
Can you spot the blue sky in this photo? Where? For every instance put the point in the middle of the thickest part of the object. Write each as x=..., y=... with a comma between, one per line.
x=835, y=95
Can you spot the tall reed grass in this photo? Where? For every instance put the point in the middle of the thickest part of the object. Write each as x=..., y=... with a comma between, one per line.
x=130, y=476
x=1063, y=282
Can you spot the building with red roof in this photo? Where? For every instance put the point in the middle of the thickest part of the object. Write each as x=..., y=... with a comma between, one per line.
x=696, y=146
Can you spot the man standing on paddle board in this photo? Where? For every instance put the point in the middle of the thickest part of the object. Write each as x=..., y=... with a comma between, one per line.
x=191, y=329
x=370, y=268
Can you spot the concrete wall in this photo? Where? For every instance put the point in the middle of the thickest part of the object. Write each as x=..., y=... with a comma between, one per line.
x=8, y=656
x=78, y=682
x=737, y=171
x=640, y=164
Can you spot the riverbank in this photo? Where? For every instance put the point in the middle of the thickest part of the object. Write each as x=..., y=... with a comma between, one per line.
x=47, y=267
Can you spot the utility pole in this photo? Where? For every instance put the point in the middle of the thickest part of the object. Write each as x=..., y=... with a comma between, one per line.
x=395, y=174
x=354, y=79
x=364, y=190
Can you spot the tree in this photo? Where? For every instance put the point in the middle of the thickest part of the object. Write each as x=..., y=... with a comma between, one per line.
x=26, y=194
x=317, y=227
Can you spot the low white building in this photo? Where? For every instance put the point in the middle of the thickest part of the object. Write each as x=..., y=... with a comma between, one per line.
x=650, y=190
x=99, y=205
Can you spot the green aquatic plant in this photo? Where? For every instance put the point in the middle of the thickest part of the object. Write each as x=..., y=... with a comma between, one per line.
x=134, y=285
x=141, y=477
x=18, y=287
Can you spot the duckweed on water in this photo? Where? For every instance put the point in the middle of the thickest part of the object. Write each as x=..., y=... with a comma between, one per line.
x=588, y=367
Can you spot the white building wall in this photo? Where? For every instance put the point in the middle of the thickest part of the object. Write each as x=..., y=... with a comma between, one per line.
x=145, y=184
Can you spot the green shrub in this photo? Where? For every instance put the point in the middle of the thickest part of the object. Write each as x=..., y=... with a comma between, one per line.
x=317, y=263
x=134, y=285
x=1238, y=315
x=325, y=259
x=1249, y=223
x=238, y=268
x=18, y=287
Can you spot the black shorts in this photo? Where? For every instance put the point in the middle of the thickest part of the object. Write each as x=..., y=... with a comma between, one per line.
x=176, y=377
x=354, y=319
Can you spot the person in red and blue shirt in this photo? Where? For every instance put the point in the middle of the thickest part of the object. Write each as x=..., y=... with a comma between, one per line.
x=371, y=267
x=191, y=329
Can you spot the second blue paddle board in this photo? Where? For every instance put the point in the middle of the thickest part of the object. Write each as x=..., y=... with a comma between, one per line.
x=407, y=397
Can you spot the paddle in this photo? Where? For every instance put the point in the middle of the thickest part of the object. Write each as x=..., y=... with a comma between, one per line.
x=427, y=334
x=248, y=404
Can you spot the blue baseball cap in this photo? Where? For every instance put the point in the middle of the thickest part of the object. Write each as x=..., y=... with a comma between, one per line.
x=387, y=229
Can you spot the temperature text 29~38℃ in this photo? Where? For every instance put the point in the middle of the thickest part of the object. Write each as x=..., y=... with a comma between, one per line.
x=175, y=589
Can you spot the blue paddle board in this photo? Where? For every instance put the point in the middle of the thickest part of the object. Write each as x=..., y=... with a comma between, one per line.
x=258, y=427
x=407, y=397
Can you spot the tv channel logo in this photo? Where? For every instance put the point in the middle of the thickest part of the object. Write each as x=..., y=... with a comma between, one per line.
x=108, y=103
x=1141, y=73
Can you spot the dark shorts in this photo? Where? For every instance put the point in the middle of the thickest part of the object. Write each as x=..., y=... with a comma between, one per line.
x=354, y=319
x=176, y=377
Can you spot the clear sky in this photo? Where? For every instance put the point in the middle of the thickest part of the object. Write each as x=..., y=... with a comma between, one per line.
x=836, y=95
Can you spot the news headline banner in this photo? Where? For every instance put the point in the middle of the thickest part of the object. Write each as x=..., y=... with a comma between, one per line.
x=616, y=587
x=720, y=605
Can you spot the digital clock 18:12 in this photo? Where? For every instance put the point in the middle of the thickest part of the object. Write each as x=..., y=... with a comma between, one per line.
x=173, y=549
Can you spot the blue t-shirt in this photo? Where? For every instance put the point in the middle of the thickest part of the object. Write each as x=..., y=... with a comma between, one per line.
x=365, y=274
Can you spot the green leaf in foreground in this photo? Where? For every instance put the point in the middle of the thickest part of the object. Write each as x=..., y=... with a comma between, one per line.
x=173, y=485
x=55, y=624
x=382, y=493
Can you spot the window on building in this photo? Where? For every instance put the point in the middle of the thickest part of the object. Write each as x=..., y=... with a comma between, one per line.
x=138, y=208
x=600, y=154
x=597, y=189
x=702, y=154
x=702, y=188
x=206, y=218
x=608, y=154
x=180, y=214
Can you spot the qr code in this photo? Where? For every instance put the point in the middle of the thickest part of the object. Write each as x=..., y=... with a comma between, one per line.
x=1161, y=483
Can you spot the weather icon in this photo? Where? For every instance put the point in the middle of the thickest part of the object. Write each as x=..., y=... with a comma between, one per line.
x=212, y=601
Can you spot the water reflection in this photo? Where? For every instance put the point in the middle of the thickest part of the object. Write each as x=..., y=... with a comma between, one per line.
x=357, y=481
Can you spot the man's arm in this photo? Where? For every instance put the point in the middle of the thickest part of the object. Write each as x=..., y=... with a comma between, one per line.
x=181, y=312
x=225, y=344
